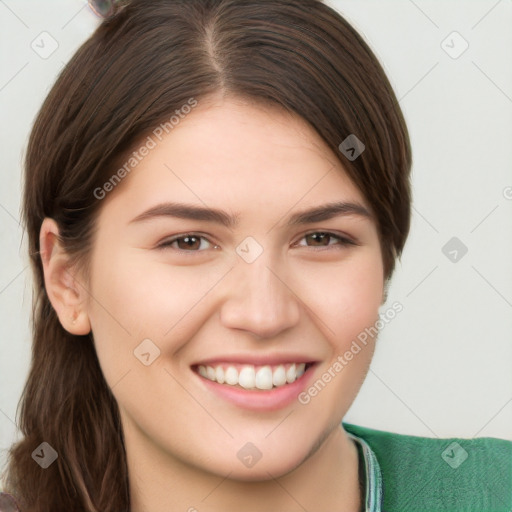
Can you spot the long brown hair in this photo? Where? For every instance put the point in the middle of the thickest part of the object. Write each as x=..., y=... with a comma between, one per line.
x=141, y=65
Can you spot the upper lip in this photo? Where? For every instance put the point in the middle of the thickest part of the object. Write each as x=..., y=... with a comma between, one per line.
x=271, y=360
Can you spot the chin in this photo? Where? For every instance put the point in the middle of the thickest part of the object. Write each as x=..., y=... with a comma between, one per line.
x=261, y=471
x=250, y=464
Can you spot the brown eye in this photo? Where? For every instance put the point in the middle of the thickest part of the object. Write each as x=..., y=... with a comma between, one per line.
x=189, y=242
x=324, y=239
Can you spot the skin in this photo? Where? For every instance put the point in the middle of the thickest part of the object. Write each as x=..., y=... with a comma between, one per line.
x=297, y=296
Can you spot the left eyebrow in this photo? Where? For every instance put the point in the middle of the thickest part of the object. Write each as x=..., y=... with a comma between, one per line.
x=194, y=212
x=328, y=211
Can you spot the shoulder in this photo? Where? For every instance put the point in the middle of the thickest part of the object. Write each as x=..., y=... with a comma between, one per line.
x=7, y=503
x=434, y=475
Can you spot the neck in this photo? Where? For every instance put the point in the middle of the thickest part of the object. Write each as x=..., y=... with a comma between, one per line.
x=325, y=481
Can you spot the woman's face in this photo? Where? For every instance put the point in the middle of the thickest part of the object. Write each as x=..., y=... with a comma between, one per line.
x=233, y=275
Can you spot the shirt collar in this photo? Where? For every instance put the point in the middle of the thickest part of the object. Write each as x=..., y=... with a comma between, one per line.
x=373, y=477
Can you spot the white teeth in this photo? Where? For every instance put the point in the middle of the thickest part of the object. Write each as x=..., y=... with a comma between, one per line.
x=279, y=376
x=291, y=374
x=264, y=378
x=249, y=378
x=231, y=376
x=219, y=374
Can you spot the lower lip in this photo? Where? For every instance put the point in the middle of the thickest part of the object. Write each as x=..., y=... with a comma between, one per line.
x=271, y=400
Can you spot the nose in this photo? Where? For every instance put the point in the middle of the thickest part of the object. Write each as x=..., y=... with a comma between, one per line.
x=259, y=300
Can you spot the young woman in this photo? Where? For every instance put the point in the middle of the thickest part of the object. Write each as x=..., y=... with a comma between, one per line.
x=216, y=193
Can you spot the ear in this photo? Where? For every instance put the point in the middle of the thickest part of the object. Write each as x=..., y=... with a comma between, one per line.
x=67, y=295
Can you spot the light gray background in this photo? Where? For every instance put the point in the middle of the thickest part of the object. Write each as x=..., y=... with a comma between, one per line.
x=442, y=367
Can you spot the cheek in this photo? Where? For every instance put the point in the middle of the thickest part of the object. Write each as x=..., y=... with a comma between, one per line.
x=345, y=298
x=349, y=310
x=139, y=297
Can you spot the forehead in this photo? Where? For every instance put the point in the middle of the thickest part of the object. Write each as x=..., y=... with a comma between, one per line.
x=231, y=151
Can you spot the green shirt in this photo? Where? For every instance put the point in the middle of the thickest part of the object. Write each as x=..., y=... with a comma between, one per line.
x=405, y=473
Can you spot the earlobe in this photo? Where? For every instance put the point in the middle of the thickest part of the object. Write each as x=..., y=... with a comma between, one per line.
x=66, y=294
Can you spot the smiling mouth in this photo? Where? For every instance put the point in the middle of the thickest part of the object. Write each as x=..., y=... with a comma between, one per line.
x=253, y=377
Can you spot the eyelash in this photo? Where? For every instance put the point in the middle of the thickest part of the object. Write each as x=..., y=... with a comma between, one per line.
x=343, y=241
